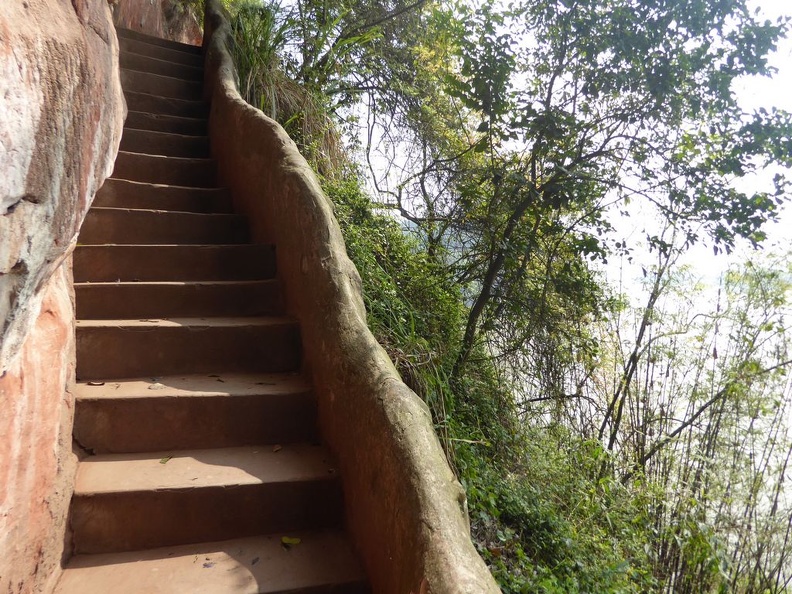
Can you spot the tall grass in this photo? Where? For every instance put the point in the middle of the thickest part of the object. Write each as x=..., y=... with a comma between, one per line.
x=261, y=34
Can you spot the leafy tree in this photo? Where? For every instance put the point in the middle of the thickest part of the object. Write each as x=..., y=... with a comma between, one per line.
x=567, y=107
x=703, y=408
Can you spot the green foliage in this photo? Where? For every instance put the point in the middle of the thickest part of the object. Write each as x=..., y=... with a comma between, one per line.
x=262, y=33
x=546, y=524
x=595, y=460
x=413, y=309
x=259, y=33
x=541, y=517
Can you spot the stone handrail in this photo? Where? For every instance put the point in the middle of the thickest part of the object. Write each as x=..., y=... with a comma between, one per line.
x=405, y=510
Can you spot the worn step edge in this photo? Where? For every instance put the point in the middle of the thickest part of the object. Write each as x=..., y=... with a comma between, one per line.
x=126, y=502
x=192, y=323
x=148, y=103
x=137, y=226
x=146, y=424
x=169, y=262
x=162, y=169
x=195, y=411
x=124, y=193
x=178, y=57
x=194, y=216
x=156, y=142
x=322, y=562
x=186, y=299
x=132, y=60
x=141, y=120
x=136, y=348
x=194, y=385
x=158, y=41
x=158, y=84
x=203, y=468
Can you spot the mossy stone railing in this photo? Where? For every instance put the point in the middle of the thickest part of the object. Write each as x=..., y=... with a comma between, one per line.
x=405, y=510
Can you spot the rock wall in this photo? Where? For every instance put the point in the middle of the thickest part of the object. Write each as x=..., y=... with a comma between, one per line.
x=169, y=19
x=61, y=114
x=36, y=464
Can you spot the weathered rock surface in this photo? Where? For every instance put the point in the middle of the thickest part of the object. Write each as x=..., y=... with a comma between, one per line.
x=168, y=19
x=36, y=464
x=61, y=113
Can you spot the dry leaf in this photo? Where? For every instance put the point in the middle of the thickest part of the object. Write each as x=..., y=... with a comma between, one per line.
x=288, y=542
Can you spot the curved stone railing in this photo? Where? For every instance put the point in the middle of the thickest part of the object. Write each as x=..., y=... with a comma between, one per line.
x=405, y=510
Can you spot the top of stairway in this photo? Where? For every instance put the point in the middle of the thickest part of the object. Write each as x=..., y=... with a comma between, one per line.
x=166, y=43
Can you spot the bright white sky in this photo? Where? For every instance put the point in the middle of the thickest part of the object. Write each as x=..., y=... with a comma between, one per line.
x=773, y=92
x=753, y=93
x=764, y=92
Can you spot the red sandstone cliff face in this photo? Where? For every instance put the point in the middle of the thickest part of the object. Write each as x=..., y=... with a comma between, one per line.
x=36, y=463
x=61, y=114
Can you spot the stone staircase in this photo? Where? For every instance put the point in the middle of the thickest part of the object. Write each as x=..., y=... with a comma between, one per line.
x=203, y=471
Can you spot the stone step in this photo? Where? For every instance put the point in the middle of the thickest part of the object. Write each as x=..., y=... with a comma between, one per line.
x=197, y=424
x=128, y=502
x=104, y=225
x=127, y=44
x=170, y=346
x=143, y=63
x=166, y=105
x=177, y=46
x=322, y=563
x=164, y=143
x=108, y=301
x=194, y=411
x=173, y=171
x=122, y=193
x=163, y=86
x=166, y=123
x=132, y=263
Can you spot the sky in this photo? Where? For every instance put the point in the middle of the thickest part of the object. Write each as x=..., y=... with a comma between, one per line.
x=764, y=92
x=753, y=93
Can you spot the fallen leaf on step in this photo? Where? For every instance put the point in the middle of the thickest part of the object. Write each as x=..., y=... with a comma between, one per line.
x=277, y=448
x=157, y=386
x=208, y=564
x=165, y=459
x=287, y=542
